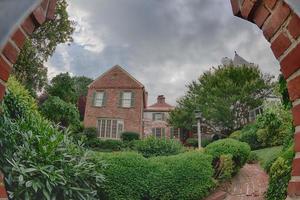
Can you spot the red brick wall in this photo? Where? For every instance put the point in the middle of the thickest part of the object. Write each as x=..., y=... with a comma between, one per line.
x=11, y=50
x=114, y=82
x=281, y=27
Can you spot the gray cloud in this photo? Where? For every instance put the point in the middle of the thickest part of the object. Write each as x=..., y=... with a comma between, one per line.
x=163, y=43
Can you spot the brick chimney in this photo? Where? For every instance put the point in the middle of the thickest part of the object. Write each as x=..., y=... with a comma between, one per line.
x=161, y=99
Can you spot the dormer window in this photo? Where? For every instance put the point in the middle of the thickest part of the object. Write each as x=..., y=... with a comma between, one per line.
x=99, y=99
x=127, y=99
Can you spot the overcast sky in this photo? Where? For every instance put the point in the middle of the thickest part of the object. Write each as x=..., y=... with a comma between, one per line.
x=163, y=43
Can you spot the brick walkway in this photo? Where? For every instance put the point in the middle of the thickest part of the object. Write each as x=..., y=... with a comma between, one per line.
x=249, y=184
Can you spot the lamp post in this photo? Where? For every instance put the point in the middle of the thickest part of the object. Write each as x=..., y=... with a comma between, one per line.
x=198, y=117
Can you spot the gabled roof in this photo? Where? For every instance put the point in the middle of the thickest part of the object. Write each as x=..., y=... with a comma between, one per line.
x=238, y=60
x=160, y=105
x=114, y=68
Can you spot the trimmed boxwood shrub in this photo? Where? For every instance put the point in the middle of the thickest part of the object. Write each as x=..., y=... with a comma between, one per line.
x=186, y=176
x=239, y=151
x=253, y=158
x=130, y=136
x=235, y=135
x=129, y=175
x=152, y=146
x=249, y=136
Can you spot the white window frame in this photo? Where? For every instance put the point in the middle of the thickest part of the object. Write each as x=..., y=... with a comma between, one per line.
x=158, y=114
x=99, y=100
x=162, y=133
x=129, y=99
x=102, y=124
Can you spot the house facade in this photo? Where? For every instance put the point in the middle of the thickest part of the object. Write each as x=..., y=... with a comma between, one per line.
x=156, y=120
x=115, y=103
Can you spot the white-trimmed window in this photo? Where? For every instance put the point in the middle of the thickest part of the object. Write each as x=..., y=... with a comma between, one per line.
x=158, y=116
x=158, y=132
x=99, y=98
x=174, y=133
x=110, y=128
x=126, y=99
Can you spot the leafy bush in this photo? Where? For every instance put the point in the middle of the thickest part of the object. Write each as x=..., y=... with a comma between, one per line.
x=235, y=135
x=38, y=160
x=109, y=144
x=225, y=168
x=60, y=112
x=253, y=158
x=129, y=136
x=239, y=151
x=90, y=132
x=152, y=146
x=276, y=125
x=192, y=142
x=249, y=136
x=186, y=176
x=280, y=174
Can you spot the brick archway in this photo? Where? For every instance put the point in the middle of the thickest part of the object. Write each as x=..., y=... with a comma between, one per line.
x=10, y=48
x=280, y=26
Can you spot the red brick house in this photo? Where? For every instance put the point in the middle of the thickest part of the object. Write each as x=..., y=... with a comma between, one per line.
x=155, y=120
x=115, y=103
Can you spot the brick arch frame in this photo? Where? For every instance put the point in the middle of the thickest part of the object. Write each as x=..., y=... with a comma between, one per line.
x=278, y=22
x=45, y=10
x=281, y=27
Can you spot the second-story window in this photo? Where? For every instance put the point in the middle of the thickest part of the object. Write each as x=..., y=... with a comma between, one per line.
x=126, y=99
x=158, y=116
x=99, y=99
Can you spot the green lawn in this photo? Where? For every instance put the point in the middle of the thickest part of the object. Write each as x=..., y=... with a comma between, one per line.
x=267, y=154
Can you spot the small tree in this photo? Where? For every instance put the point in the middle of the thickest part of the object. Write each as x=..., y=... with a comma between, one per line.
x=60, y=111
x=224, y=95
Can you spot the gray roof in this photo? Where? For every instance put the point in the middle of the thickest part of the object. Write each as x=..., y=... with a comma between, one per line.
x=238, y=60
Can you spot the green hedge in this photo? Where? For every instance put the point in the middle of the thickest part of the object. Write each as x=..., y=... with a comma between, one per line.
x=239, y=151
x=130, y=136
x=280, y=174
x=186, y=176
x=109, y=144
x=152, y=146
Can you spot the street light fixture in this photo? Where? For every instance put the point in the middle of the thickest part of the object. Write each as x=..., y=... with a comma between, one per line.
x=198, y=116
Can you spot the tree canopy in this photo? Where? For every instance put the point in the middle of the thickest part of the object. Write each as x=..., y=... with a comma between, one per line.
x=224, y=95
x=29, y=68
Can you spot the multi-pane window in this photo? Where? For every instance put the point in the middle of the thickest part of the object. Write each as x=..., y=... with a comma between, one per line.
x=174, y=133
x=158, y=116
x=158, y=132
x=110, y=128
x=126, y=99
x=99, y=98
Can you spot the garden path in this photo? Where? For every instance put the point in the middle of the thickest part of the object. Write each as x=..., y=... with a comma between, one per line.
x=249, y=184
